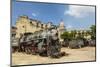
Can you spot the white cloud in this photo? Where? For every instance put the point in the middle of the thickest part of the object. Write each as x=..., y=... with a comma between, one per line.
x=68, y=27
x=33, y=14
x=79, y=11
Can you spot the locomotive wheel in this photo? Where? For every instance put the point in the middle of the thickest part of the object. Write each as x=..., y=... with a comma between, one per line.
x=13, y=50
x=33, y=52
x=79, y=46
x=27, y=50
x=55, y=56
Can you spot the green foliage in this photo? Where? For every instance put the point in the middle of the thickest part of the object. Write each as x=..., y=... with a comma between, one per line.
x=93, y=31
x=68, y=35
x=65, y=35
x=71, y=34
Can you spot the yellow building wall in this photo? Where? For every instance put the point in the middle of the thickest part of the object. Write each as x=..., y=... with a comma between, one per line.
x=23, y=26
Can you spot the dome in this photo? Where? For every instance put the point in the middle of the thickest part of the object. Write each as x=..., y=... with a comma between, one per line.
x=62, y=23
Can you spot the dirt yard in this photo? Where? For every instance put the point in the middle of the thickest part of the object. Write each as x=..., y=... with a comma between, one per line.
x=83, y=54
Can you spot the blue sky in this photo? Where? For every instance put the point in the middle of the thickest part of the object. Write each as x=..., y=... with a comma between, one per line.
x=73, y=16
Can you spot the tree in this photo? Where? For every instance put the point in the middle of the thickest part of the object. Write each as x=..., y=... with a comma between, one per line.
x=65, y=35
x=68, y=35
x=93, y=31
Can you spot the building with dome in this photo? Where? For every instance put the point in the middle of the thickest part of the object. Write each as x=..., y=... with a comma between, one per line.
x=61, y=29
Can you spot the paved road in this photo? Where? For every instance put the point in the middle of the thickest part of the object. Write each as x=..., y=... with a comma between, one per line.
x=83, y=54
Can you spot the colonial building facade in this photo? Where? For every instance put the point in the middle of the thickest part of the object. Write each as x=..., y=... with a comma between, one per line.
x=24, y=24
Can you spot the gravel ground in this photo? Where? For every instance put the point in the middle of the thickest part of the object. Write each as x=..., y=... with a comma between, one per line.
x=83, y=54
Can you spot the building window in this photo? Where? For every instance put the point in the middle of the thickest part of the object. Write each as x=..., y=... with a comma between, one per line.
x=41, y=25
x=23, y=26
x=31, y=22
x=37, y=25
